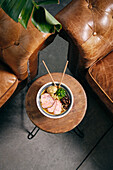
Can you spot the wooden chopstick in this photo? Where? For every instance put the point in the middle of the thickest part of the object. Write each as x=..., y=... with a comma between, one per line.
x=63, y=73
x=48, y=72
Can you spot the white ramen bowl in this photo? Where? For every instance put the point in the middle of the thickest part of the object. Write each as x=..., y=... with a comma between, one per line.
x=52, y=115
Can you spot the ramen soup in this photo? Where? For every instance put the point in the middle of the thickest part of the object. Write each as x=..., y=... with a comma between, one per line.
x=55, y=100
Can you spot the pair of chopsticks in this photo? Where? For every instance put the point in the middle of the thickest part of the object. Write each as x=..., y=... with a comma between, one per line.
x=51, y=75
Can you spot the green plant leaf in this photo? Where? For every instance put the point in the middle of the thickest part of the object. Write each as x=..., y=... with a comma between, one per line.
x=45, y=2
x=13, y=8
x=21, y=10
x=26, y=13
x=44, y=21
x=1, y=1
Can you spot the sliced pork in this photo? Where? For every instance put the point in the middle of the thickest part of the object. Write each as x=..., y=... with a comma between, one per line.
x=58, y=107
x=46, y=100
x=52, y=108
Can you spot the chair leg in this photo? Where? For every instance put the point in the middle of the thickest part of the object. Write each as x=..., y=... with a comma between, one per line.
x=30, y=81
x=73, y=58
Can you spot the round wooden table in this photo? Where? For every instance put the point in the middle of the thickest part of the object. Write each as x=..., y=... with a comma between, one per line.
x=66, y=123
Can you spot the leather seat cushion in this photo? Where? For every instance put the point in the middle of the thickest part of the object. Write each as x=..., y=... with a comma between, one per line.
x=100, y=77
x=17, y=44
x=89, y=23
x=8, y=83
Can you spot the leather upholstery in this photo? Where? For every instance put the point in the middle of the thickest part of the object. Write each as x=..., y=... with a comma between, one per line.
x=90, y=25
x=8, y=83
x=17, y=44
x=18, y=51
x=100, y=78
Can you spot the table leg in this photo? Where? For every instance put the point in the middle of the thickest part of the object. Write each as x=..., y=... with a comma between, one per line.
x=78, y=132
x=33, y=133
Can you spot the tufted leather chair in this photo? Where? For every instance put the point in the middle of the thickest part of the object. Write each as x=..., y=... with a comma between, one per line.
x=88, y=27
x=18, y=54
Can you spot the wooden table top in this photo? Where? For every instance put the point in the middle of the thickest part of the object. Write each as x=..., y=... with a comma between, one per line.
x=66, y=123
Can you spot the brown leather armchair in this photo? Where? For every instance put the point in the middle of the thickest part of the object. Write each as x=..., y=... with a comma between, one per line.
x=18, y=55
x=88, y=27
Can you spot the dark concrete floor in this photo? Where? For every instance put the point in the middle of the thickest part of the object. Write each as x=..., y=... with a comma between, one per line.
x=48, y=151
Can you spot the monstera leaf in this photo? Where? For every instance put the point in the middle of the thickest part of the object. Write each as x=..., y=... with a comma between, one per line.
x=22, y=10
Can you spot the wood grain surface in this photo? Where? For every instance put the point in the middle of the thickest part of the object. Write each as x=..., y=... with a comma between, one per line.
x=66, y=123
